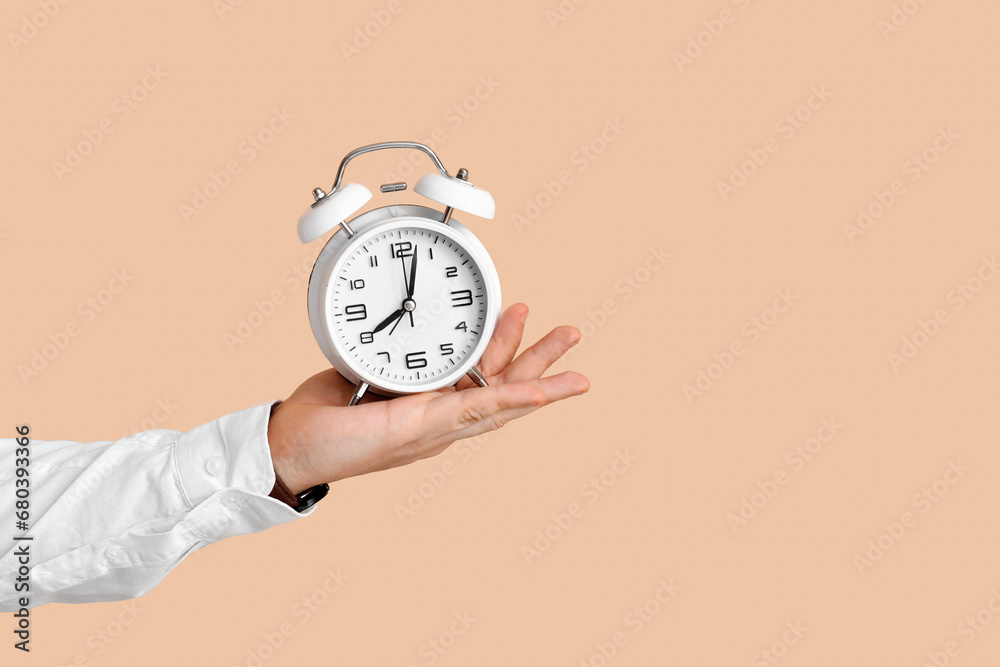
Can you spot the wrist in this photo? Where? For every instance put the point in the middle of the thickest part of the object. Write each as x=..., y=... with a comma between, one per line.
x=284, y=455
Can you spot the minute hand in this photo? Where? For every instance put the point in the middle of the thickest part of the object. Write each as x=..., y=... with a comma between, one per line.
x=413, y=274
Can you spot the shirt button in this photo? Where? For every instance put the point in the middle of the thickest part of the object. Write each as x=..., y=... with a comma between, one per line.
x=113, y=553
x=232, y=501
x=215, y=465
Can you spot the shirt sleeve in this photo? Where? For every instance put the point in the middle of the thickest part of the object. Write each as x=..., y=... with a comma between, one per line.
x=109, y=520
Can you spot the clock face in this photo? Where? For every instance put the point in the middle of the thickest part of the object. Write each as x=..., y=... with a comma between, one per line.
x=408, y=306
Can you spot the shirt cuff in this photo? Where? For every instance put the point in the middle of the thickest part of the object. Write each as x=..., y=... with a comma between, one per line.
x=228, y=460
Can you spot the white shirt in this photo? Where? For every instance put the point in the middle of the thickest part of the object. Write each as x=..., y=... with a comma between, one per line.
x=109, y=520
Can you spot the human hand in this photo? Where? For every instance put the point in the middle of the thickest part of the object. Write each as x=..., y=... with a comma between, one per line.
x=315, y=438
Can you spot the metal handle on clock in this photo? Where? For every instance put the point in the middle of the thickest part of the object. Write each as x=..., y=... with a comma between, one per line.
x=384, y=146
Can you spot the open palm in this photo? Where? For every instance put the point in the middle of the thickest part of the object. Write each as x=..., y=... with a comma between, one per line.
x=316, y=438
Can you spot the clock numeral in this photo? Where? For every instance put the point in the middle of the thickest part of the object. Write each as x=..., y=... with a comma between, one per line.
x=358, y=284
x=367, y=337
x=388, y=359
x=461, y=298
x=373, y=261
x=461, y=326
x=357, y=310
x=430, y=253
x=415, y=360
x=401, y=249
x=451, y=272
x=447, y=349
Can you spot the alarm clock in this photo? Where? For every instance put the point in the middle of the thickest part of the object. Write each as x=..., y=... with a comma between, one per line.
x=403, y=298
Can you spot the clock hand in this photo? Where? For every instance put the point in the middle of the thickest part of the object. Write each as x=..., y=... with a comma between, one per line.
x=398, y=320
x=413, y=282
x=413, y=274
x=402, y=264
x=387, y=321
x=408, y=284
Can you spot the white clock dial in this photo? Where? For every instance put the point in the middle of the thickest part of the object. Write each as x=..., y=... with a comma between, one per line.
x=408, y=306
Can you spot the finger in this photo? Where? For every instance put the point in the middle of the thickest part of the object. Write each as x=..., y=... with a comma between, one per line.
x=503, y=346
x=491, y=416
x=487, y=425
x=506, y=340
x=534, y=361
x=423, y=425
x=454, y=411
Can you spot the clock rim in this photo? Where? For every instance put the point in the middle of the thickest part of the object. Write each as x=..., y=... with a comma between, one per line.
x=370, y=224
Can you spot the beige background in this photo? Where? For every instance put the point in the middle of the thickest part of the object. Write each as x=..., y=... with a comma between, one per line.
x=894, y=75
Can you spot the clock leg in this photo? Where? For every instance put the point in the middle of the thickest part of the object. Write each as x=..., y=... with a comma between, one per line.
x=477, y=377
x=359, y=391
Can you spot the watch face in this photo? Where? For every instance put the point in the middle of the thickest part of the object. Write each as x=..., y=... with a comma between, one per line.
x=408, y=305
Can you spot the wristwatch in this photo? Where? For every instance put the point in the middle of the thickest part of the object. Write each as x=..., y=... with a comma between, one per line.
x=299, y=502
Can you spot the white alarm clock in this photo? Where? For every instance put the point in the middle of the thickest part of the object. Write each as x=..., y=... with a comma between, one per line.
x=403, y=298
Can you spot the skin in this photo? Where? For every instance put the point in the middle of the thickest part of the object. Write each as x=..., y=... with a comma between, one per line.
x=316, y=438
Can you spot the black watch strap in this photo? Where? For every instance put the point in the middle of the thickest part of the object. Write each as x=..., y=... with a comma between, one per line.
x=299, y=502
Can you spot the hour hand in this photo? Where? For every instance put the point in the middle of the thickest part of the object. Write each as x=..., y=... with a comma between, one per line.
x=387, y=321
